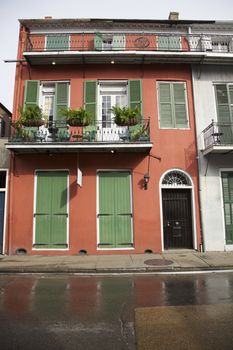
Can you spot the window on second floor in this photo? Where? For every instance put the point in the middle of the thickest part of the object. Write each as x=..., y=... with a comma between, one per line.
x=173, y=110
x=224, y=99
x=52, y=97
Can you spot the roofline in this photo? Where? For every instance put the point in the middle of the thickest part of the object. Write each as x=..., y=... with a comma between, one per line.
x=50, y=21
x=5, y=109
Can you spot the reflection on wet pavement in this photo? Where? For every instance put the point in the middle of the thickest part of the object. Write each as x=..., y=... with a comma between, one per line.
x=74, y=312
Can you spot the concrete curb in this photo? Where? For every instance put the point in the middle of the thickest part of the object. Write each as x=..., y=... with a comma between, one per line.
x=70, y=270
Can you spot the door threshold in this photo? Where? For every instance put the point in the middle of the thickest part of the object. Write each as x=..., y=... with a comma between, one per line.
x=177, y=251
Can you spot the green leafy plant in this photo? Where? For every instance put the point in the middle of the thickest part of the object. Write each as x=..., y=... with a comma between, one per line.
x=30, y=116
x=139, y=133
x=126, y=115
x=77, y=117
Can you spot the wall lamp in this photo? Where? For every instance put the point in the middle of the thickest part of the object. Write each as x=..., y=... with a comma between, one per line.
x=146, y=181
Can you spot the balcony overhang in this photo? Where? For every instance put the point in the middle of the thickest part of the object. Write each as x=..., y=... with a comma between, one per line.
x=67, y=147
x=125, y=57
x=218, y=149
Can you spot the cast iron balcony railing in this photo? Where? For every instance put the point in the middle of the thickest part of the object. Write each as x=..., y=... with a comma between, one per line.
x=98, y=132
x=218, y=134
x=129, y=42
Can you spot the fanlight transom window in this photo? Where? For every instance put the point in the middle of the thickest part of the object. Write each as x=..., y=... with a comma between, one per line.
x=176, y=178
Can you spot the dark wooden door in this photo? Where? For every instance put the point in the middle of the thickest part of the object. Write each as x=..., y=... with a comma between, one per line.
x=177, y=218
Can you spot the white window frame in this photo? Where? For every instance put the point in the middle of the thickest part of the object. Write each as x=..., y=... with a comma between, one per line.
x=44, y=82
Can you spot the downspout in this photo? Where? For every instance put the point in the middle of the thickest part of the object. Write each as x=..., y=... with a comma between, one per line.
x=201, y=245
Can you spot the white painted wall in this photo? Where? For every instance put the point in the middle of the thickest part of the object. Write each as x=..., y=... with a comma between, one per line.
x=211, y=165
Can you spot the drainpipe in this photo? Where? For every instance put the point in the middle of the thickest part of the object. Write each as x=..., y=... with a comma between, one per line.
x=201, y=245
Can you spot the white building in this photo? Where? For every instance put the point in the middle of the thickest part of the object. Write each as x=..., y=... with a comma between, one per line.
x=213, y=99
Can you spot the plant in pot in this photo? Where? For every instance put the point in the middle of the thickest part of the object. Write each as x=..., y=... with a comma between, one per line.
x=77, y=117
x=126, y=116
x=31, y=116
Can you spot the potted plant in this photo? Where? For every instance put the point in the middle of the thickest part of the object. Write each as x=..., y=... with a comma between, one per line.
x=77, y=117
x=140, y=133
x=31, y=116
x=126, y=116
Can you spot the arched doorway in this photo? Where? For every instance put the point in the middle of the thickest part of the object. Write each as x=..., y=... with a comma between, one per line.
x=177, y=216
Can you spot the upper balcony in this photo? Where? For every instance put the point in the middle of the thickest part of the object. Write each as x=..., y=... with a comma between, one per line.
x=137, y=48
x=218, y=138
x=104, y=136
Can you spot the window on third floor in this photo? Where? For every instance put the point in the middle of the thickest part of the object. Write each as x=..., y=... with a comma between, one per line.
x=173, y=108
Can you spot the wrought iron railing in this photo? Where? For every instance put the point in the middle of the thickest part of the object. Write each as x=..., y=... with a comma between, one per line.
x=129, y=42
x=60, y=132
x=218, y=134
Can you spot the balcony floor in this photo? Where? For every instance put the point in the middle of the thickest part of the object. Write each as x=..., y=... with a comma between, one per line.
x=218, y=149
x=74, y=147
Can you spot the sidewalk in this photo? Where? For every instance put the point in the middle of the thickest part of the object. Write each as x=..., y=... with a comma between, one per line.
x=132, y=263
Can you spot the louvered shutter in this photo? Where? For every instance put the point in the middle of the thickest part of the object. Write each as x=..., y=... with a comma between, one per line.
x=163, y=42
x=180, y=108
x=224, y=113
x=61, y=99
x=57, y=42
x=135, y=94
x=98, y=41
x=31, y=93
x=223, y=109
x=174, y=43
x=51, y=212
x=115, y=210
x=227, y=186
x=118, y=42
x=90, y=97
x=165, y=105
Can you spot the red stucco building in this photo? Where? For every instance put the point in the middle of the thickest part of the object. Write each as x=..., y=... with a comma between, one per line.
x=104, y=188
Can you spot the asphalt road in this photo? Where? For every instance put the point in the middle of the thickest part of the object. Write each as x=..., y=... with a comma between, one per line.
x=185, y=311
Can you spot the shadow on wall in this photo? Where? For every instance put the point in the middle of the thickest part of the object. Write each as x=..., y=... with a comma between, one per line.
x=190, y=156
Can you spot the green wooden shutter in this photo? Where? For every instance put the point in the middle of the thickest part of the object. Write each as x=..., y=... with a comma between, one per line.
x=165, y=105
x=180, y=108
x=43, y=211
x=31, y=93
x=227, y=185
x=115, y=212
x=106, y=211
x=135, y=94
x=51, y=210
x=168, y=42
x=61, y=99
x=90, y=97
x=123, y=210
x=118, y=42
x=59, y=210
x=223, y=109
x=224, y=113
x=174, y=43
x=57, y=42
x=163, y=42
x=98, y=41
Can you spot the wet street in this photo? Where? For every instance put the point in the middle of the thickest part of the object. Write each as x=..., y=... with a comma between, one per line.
x=194, y=311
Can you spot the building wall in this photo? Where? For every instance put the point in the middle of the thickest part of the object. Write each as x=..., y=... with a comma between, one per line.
x=176, y=148
x=210, y=165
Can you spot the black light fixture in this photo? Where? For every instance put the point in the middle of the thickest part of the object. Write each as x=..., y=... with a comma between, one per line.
x=146, y=181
